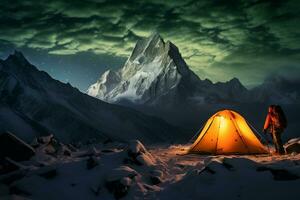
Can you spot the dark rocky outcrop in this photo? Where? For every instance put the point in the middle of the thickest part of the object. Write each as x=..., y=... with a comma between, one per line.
x=14, y=148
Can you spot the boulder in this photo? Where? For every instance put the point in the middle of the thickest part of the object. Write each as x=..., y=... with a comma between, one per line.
x=293, y=146
x=13, y=147
x=138, y=154
x=156, y=177
x=117, y=188
x=136, y=147
x=7, y=166
x=119, y=180
x=91, y=162
x=45, y=139
x=145, y=159
x=121, y=172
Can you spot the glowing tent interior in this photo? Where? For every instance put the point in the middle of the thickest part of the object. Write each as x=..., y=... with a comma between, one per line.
x=227, y=132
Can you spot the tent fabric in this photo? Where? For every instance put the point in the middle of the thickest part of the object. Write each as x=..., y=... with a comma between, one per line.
x=227, y=132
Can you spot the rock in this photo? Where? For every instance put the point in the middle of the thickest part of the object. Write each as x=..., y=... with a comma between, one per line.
x=6, y=166
x=13, y=147
x=51, y=146
x=293, y=140
x=138, y=155
x=91, y=162
x=293, y=146
x=50, y=149
x=145, y=159
x=45, y=139
x=63, y=150
x=67, y=152
x=71, y=147
x=118, y=189
x=87, y=153
x=107, y=141
x=121, y=172
x=35, y=143
x=136, y=147
x=126, y=181
x=107, y=150
x=155, y=180
x=293, y=153
x=119, y=180
x=156, y=177
x=132, y=160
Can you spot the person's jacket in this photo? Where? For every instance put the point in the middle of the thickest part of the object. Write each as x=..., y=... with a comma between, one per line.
x=272, y=123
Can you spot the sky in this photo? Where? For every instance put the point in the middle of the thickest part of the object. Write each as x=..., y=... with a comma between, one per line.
x=77, y=40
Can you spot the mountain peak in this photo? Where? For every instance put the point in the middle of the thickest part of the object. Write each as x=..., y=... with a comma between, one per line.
x=175, y=55
x=154, y=36
x=18, y=53
x=154, y=69
x=154, y=49
x=18, y=56
x=235, y=81
x=147, y=47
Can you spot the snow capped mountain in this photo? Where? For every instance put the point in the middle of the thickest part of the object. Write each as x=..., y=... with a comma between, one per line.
x=156, y=80
x=156, y=74
x=154, y=68
x=277, y=90
x=32, y=103
x=105, y=84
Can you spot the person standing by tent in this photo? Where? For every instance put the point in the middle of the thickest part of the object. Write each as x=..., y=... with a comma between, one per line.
x=275, y=124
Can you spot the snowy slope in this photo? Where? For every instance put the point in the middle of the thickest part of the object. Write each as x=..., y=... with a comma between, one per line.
x=133, y=171
x=30, y=96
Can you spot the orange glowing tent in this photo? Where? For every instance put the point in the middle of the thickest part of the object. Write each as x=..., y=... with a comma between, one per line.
x=227, y=132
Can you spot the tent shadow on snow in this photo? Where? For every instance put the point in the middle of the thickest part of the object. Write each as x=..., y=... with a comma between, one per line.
x=227, y=132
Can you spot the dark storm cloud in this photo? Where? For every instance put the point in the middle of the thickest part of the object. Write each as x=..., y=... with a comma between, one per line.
x=219, y=38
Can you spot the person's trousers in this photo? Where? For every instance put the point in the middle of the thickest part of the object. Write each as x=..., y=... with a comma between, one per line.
x=278, y=142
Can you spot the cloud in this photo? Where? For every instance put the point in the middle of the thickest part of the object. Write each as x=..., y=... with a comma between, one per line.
x=219, y=39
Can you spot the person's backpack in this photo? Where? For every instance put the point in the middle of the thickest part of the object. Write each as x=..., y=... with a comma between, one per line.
x=280, y=120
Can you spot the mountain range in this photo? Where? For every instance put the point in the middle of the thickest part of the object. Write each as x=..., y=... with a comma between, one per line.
x=156, y=80
x=155, y=73
x=33, y=104
x=154, y=97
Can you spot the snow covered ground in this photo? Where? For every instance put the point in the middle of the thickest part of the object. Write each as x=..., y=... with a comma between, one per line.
x=131, y=171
